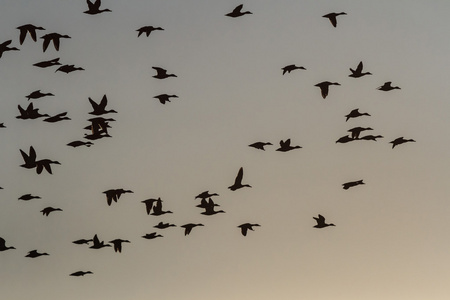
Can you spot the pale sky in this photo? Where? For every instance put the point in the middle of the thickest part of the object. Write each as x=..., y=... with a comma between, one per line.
x=391, y=237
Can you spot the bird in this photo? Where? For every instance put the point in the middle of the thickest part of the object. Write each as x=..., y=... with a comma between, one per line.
x=238, y=181
x=68, y=69
x=152, y=235
x=321, y=222
x=387, y=86
x=114, y=194
x=48, y=63
x=354, y=114
x=332, y=17
x=399, y=141
x=209, y=208
x=81, y=273
x=345, y=139
x=118, y=244
x=188, y=227
x=246, y=226
x=30, y=159
x=79, y=143
x=99, y=108
x=163, y=98
x=162, y=225
x=83, y=241
x=289, y=68
x=357, y=130
x=96, y=136
x=46, y=211
x=37, y=94
x=286, y=146
x=57, y=118
x=237, y=12
x=34, y=254
x=162, y=73
x=99, y=125
x=3, y=245
x=97, y=244
x=147, y=30
x=324, y=87
x=55, y=37
x=2, y=125
x=358, y=72
x=350, y=184
x=45, y=164
x=371, y=137
x=205, y=194
x=157, y=209
x=30, y=113
x=28, y=28
x=28, y=197
x=206, y=204
x=149, y=204
x=94, y=8
x=260, y=145
x=4, y=47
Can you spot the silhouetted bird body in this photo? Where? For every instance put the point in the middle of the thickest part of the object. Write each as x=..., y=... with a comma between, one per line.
x=81, y=273
x=205, y=204
x=357, y=130
x=38, y=94
x=162, y=225
x=28, y=197
x=286, y=146
x=260, y=145
x=2, y=125
x=79, y=143
x=247, y=226
x=57, y=118
x=162, y=73
x=344, y=139
x=99, y=108
x=46, y=211
x=4, y=47
x=150, y=236
x=358, y=72
x=34, y=254
x=399, y=141
x=289, y=68
x=97, y=244
x=147, y=30
x=188, y=227
x=163, y=98
x=28, y=28
x=205, y=194
x=94, y=8
x=114, y=194
x=157, y=209
x=45, y=164
x=3, y=246
x=371, y=137
x=53, y=37
x=118, y=244
x=350, y=184
x=324, y=87
x=237, y=12
x=83, y=241
x=238, y=181
x=48, y=63
x=321, y=222
x=332, y=17
x=68, y=69
x=149, y=204
x=387, y=86
x=30, y=159
x=354, y=114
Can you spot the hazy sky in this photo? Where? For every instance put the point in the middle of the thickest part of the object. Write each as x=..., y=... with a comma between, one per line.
x=391, y=236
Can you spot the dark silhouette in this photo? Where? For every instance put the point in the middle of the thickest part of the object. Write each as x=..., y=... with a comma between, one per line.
x=206, y=204
x=238, y=181
x=162, y=73
x=324, y=87
x=247, y=226
x=97, y=244
x=387, y=87
x=358, y=72
x=354, y=114
x=48, y=63
x=28, y=197
x=147, y=30
x=321, y=222
x=163, y=98
x=45, y=164
x=55, y=37
x=357, y=130
x=34, y=254
x=99, y=125
x=4, y=47
x=149, y=204
x=205, y=194
x=99, y=108
x=2, y=125
x=3, y=245
x=371, y=137
x=96, y=136
x=30, y=159
x=188, y=227
x=286, y=146
x=209, y=210
x=150, y=236
x=332, y=17
x=118, y=244
x=350, y=184
x=399, y=141
x=290, y=68
x=162, y=225
x=260, y=145
x=114, y=194
x=82, y=241
x=57, y=118
x=28, y=28
x=30, y=113
x=79, y=143
x=157, y=209
x=69, y=68
x=81, y=273
x=94, y=8
x=237, y=12
x=46, y=211
x=38, y=94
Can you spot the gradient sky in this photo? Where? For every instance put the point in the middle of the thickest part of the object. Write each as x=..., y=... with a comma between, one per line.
x=391, y=237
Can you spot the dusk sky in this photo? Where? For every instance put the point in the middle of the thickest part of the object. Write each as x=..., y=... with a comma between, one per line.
x=391, y=240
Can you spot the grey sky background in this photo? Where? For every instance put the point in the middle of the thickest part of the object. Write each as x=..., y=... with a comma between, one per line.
x=391, y=235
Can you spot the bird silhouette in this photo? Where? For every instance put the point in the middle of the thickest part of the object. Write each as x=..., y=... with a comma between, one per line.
x=34, y=254
x=210, y=211
x=147, y=30
x=83, y=241
x=30, y=113
x=345, y=139
x=48, y=63
x=97, y=244
x=332, y=17
x=238, y=181
x=162, y=225
x=3, y=246
x=81, y=273
x=94, y=8
x=357, y=130
x=387, y=86
x=354, y=114
x=371, y=137
x=38, y=94
x=358, y=72
x=237, y=12
x=289, y=68
x=163, y=98
x=149, y=204
x=28, y=28
x=188, y=227
x=350, y=184
x=4, y=47
x=207, y=204
x=99, y=125
x=247, y=226
x=28, y=197
x=45, y=164
x=321, y=222
x=157, y=209
x=68, y=69
x=79, y=143
x=150, y=236
x=96, y=136
x=99, y=108
x=205, y=194
x=2, y=125
x=57, y=118
x=118, y=244
x=162, y=73
x=286, y=146
x=399, y=141
x=30, y=159
x=260, y=145
x=46, y=211
x=53, y=37
x=324, y=87
x=114, y=194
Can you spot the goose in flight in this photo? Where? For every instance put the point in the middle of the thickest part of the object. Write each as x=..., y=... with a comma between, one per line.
x=3, y=246
x=260, y=145
x=83, y=241
x=157, y=209
x=79, y=143
x=53, y=37
x=188, y=227
x=207, y=204
x=68, y=69
x=114, y=194
x=399, y=141
x=358, y=72
x=371, y=137
x=162, y=225
x=357, y=130
x=237, y=12
x=48, y=63
x=99, y=108
x=289, y=68
x=205, y=194
x=321, y=222
x=286, y=146
x=387, y=86
x=4, y=47
x=28, y=28
x=94, y=8
x=28, y=197
x=238, y=181
x=247, y=226
x=324, y=87
x=81, y=273
x=97, y=244
x=162, y=73
x=57, y=118
x=354, y=114
x=345, y=139
x=2, y=125
x=209, y=210
x=45, y=164
x=350, y=184
x=37, y=94
x=118, y=244
x=332, y=17
x=30, y=113
x=150, y=236
x=34, y=254
x=30, y=159
x=163, y=98
x=147, y=30
x=46, y=211
x=149, y=204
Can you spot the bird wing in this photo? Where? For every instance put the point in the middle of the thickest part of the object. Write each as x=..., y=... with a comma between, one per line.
x=45, y=43
x=23, y=34
x=238, y=8
x=239, y=176
x=244, y=230
x=103, y=102
x=2, y=243
x=359, y=67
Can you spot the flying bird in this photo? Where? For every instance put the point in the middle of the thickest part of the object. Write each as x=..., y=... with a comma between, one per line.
x=38, y=94
x=30, y=113
x=46, y=211
x=149, y=204
x=48, y=63
x=286, y=146
x=289, y=68
x=321, y=222
x=399, y=141
x=57, y=118
x=345, y=139
x=94, y=8
x=30, y=159
x=28, y=28
x=354, y=114
x=150, y=236
x=324, y=87
x=205, y=194
x=68, y=69
x=34, y=254
x=97, y=244
x=162, y=225
x=79, y=143
x=350, y=184
x=99, y=108
x=207, y=204
x=162, y=73
x=118, y=244
x=3, y=246
x=114, y=194
x=238, y=181
x=387, y=86
x=4, y=47
x=53, y=37
x=147, y=30
x=358, y=72
x=163, y=98
x=83, y=241
x=188, y=227
x=237, y=12
x=247, y=226
x=45, y=164
x=332, y=17
x=260, y=145
x=28, y=197
x=157, y=209
x=357, y=130
x=81, y=273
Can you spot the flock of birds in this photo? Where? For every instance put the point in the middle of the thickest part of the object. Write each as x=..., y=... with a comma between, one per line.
x=99, y=124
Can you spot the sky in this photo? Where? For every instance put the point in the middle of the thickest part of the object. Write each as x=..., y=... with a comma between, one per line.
x=391, y=235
